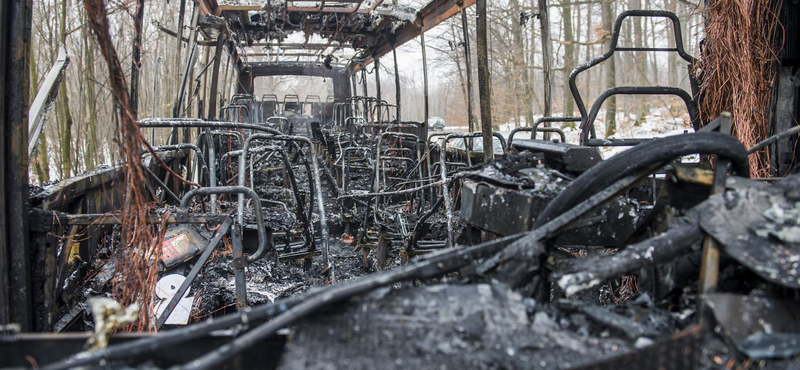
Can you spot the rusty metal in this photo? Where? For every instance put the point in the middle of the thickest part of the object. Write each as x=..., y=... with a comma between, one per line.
x=709, y=269
x=434, y=13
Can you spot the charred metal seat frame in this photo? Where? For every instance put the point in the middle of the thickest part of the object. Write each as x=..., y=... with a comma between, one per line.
x=533, y=131
x=232, y=113
x=300, y=213
x=269, y=105
x=289, y=311
x=379, y=186
x=469, y=143
x=379, y=172
x=588, y=118
x=201, y=165
x=317, y=186
x=541, y=120
x=347, y=164
x=361, y=106
x=240, y=259
x=291, y=103
x=381, y=108
x=315, y=105
x=327, y=109
x=448, y=203
x=213, y=128
x=213, y=133
x=587, y=125
x=253, y=109
x=283, y=124
x=340, y=113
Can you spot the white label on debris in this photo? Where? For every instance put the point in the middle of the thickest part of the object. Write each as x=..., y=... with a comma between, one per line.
x=166, y=288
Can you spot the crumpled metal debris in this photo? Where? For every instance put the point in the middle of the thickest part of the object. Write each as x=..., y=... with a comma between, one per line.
x=760, y=228
x=761, y=327
x=737, y=219
x=605, y=317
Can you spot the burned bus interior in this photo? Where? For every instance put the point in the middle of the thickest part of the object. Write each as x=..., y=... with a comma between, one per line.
x=295, y=207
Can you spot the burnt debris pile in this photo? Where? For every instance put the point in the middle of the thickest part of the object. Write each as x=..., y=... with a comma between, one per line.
x=371, y=244
x=331, y=233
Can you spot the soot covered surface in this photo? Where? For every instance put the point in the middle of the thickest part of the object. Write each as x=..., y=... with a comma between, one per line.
x=483, y=326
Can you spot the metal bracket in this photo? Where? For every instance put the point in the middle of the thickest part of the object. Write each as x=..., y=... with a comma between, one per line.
x=182, y=216
x=240, y=262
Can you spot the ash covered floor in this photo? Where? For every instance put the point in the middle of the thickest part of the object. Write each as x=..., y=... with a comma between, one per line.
x=440, y=323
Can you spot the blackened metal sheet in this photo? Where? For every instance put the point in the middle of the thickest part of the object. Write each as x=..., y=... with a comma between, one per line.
x=441, y=327
x=679, y=352
x=562, y=156
x=760, y=326
x=19, y=351
x=760, y=228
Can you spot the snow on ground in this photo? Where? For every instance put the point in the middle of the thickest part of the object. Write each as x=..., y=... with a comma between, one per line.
x=660, y=122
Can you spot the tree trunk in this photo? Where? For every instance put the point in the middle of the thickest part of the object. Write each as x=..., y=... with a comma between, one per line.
x=92, y=157
x=457, y=40
x=484, y=81
x=672, y=61
x=520, y=65
x=547, y=55
x=589, y=48
x=641, y=63
x=66, y=116
x=136, y=59
x=569, y=56
x=532, y=59
x=611, y=69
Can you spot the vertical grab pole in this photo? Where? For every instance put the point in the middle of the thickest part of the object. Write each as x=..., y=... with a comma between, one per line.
x=397, y=84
